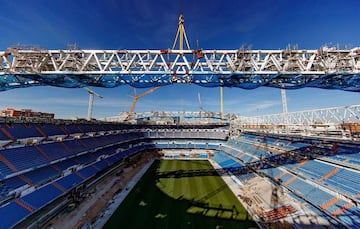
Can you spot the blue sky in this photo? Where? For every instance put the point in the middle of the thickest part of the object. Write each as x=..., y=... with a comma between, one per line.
x=152, y=24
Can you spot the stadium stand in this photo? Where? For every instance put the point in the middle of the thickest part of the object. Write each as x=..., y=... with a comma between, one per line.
x=19, y=158
x=14, y=213
x=88, y=172
x=4, y=169
x=72, y=129
x=322, y=175
x=20, y=131
x=4, y=135
x=54, y=150
x=51, y=130
x=11, y=184
x=306, y=172
x=70, y=181
x=226, y=161
x=42, y=175
x=42, y=196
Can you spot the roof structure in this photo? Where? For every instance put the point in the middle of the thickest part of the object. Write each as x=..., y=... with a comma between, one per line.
x=326, y=68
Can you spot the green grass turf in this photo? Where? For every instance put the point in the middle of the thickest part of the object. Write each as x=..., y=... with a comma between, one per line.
x=194, y=197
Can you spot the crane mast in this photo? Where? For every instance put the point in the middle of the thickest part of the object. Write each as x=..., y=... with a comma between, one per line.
x=285, y=107
x=91, y=101
x=200, y=104
x=221, y=102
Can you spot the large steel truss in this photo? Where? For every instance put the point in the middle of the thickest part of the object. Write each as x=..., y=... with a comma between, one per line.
x=191, y=116
x=328, y=68
x=335, y=115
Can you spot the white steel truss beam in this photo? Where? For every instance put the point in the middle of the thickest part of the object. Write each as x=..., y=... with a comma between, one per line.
x=335, y=115
x=144, y=61
x=324, y=68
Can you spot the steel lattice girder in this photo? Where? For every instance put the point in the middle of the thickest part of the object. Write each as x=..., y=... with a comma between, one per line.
x=325, y=68
x=326, y=115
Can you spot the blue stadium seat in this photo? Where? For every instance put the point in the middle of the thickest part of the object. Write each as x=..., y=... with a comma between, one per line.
x=24, y=157
x=54, y=150
x=21, y=131
x=72, y=129
x=85, y=159
x=226, y=161
x=63, y=165
x=86, y=128
x=42, y=196
x=100, y=165
x=14, y=183
x=12, y=213
x=42, y=175
x=4, y=170
x=51, y=130
x=70, y=181
x=3, y=137
x=311, y=193
x=75, y=146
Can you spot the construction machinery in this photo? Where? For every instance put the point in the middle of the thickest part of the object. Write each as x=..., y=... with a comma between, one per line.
x=136, y=97
x=182, y=40
x=285, y=108
x=91, y=101
x=181, y=35
x=200, y=104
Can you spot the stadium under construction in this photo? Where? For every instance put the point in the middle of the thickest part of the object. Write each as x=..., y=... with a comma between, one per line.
x=290, y=170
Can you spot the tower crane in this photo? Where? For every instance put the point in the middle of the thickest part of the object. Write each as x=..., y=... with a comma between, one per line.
x=136, y=97
x=91, y=101
x=200, y=104
x=285, y=108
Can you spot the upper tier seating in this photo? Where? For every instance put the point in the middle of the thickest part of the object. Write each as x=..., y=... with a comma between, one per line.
x=24, y=157
x=42, y=175
x=19, y=131
x=72, y=129
x=54, y=150
x=3, y=137
x=51, y=130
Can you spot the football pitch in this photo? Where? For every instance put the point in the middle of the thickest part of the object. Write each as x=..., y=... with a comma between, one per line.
x=181, y=194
